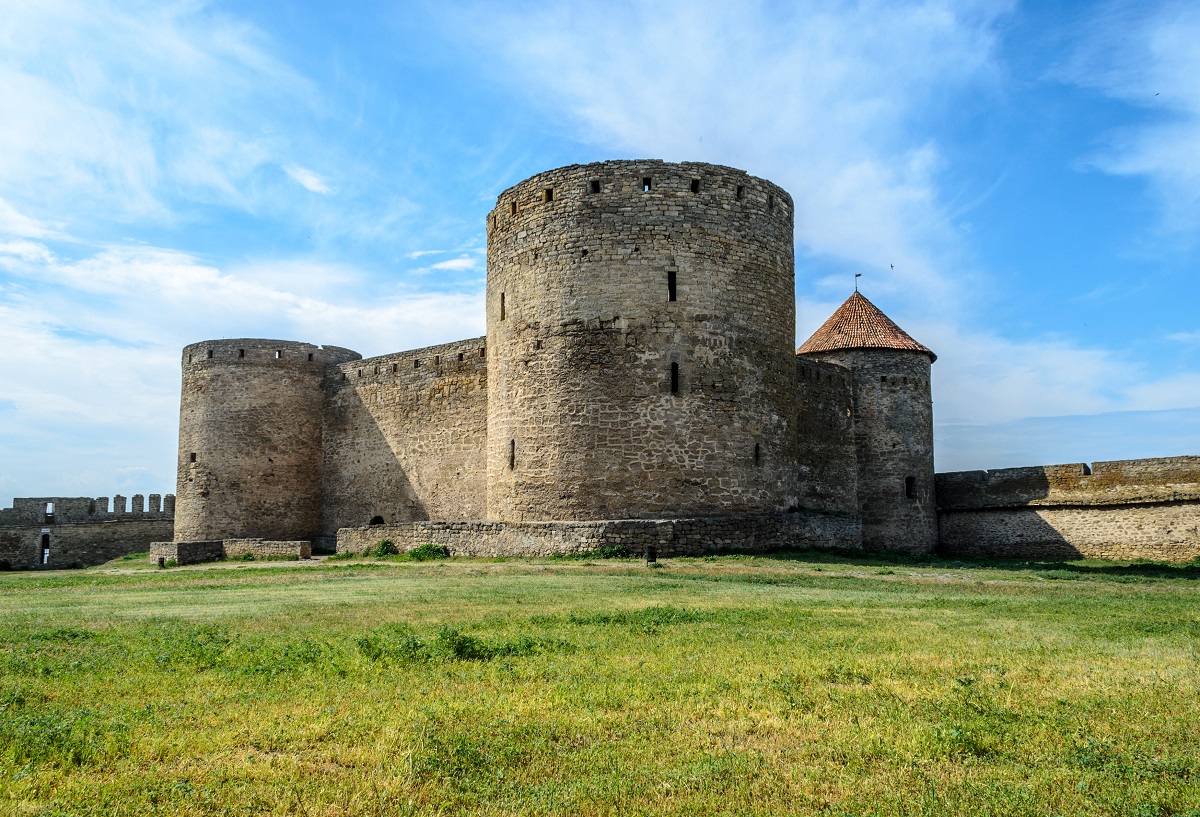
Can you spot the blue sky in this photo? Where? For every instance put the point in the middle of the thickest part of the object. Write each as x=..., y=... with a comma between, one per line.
x=177, y=171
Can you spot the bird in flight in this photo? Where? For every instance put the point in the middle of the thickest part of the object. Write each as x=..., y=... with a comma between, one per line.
x=893, y=266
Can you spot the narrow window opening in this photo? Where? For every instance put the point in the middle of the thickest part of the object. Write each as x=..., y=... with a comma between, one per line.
x=278, y=354
x=394, y=368
x=189, y=358
x=594, y=186
x=647, y=182
x=192, y=457
x=584, y=253
x=910, y=487
x=757, y=454
x=741, y=192
x=670, y=285
x=360, y=372
x=376, y=369
x=437, y=360
x=549, y=194
x=310, y=357
x=537, y=344
x=210, y=354
x=416, y=363
x=674, y=378
x=45, y=548
x=49, y=509
x=512, y=455
x=460, y=357
x=344, y=377
x=770, y=204
x=91, y=507
x=241, y=352
x=883, y=379
x=695, y=185
x=483, y=351
x=513, y=208
x=503, y=310
x=376, y=520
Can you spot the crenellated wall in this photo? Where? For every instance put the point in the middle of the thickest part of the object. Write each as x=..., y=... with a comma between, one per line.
x=405, y=436
x=56, y=531
x=1127, y=509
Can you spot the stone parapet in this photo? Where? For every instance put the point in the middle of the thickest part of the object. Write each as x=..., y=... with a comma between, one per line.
x=212, y=550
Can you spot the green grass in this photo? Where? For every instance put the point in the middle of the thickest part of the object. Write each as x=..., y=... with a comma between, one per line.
x=814, y=683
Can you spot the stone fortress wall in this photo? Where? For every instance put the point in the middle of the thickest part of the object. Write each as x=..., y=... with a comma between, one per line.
x=637, y=386
x=58, y=531
x=404, y=438
x=1127, y=509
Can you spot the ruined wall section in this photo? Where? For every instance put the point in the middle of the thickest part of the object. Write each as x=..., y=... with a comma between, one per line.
x=1125, y=509
x=641, y=319
x=405, y=436
x=892, y=428
x=250, y=448
x=826, y=468
x=78, y=544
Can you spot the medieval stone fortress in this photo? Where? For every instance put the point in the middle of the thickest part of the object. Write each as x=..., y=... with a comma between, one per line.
x=638, y=386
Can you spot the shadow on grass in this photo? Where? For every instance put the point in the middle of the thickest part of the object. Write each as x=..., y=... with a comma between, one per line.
x=1057, y=568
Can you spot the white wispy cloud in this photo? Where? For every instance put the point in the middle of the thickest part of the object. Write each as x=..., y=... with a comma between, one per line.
x=308, y=179
x=1145, y=55
x=457, y=264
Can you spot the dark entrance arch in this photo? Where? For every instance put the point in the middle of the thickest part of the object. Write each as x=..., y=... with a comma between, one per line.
x=376, y=520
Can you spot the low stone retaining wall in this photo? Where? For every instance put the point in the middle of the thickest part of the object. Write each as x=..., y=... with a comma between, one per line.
x=669, y=537
x=1161, y=532
x=187, y=553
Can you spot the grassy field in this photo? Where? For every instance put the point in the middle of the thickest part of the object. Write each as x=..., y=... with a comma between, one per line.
x=801, y=684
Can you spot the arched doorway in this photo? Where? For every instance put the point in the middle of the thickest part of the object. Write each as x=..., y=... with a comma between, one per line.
x=376, y=520
x=45, y=548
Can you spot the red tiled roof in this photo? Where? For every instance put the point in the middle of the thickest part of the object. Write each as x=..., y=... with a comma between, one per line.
x=858, y=324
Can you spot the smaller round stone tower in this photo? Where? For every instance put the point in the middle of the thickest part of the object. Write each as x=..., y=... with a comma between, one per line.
x=892, y=422
x=250, y=451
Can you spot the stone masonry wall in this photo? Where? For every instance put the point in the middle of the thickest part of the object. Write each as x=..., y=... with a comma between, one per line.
x=670, y=537
x=893, y=440
x=827, y=476
x=405, y=436
x=250, y=448
x=1131, y=509
x=78, y=544
x=185, y=553
x=641, y=320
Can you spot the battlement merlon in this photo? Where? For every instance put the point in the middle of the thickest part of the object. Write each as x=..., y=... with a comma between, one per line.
x=71, y=510
x=1117, y=482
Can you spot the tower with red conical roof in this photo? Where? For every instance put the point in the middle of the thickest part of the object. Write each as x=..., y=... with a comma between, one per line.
x=892, y=422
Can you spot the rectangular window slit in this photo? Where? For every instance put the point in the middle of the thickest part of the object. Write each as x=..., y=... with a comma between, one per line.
x=241, y=352
x=670, y=285
x=513, y=208
x=512, y=455
x=549, y=194
x=674, y=378
x=416, y=363
x=310, y=357
x=695, y=185
x=910, y=487
x=646, y=184
x=502, y=307
x=460, y=357
x=278, y=355
x=757, y=454
x=210, y=354
x=741, y=192
x=594, y=186
x=483, y=351
x=192, y=457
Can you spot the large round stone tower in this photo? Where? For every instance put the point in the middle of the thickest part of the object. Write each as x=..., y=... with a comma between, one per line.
x=640, y=319
x=250, y=439
x=892, y=422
